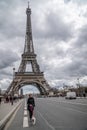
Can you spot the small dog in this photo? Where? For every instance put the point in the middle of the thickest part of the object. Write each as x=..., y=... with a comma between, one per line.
x=33, y=120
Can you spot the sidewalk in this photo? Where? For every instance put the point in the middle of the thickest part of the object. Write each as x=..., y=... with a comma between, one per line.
x=6, y=110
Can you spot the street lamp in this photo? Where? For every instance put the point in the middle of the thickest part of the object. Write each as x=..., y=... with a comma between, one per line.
x=12, y=95
x=78, y=82
x=79, y=86
x=13, y=73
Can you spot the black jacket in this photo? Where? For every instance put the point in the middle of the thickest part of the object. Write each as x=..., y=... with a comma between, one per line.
x=31, y=101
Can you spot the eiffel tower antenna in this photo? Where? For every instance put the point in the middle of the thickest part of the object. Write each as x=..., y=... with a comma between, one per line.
x=29, y=70
x=28, y=4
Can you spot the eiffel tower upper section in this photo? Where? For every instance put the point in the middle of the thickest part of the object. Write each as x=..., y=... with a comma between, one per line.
x=29, y=57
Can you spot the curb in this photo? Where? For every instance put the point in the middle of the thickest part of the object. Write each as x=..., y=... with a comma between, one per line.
x=8, y=116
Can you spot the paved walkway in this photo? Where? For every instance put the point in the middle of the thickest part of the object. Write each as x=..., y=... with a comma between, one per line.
x=6, y=108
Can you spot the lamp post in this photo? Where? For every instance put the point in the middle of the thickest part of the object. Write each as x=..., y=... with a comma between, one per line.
x=13, y=73
x=83, y=89
x=78, y=86
x=12, y=96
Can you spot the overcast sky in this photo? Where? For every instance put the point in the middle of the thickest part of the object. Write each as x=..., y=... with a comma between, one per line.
x=59, y=36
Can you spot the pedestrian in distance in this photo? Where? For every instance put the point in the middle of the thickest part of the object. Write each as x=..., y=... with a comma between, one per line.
x=0, y=100
x=11, y=100
x=7, y=99
x=84, y=94
x=30, y=107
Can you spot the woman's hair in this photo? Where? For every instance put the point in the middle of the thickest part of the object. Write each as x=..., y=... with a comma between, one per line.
x=30, y=95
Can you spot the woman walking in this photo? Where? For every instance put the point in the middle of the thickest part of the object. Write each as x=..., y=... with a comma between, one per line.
x=30, y=106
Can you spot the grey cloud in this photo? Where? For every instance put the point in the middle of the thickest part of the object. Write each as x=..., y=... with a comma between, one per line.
x=76, y=68
x=6, y=74
x=78, y=55
x=47, y=51
x=80, y=2
x=7, y=58
x=5, y=83
x=68, y=71
x=66, y=1
x=54, y=28
x=11, y=23
x=82, y=37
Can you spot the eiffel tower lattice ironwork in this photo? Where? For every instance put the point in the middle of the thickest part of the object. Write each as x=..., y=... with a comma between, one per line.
x=29, y=71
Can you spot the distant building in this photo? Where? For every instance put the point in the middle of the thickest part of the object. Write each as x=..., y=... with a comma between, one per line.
x=21, y=92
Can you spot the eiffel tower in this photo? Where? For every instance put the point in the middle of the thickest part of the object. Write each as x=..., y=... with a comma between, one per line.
x=29, y=70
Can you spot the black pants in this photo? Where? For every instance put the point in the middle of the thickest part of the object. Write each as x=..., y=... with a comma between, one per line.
x=30, y=114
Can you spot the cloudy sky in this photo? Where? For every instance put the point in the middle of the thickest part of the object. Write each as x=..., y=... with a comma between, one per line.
x=59, y=36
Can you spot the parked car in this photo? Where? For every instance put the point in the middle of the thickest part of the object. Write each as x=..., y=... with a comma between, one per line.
x=70, y=95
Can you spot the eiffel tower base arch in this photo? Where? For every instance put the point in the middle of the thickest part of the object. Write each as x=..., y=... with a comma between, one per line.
x=22, y=79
